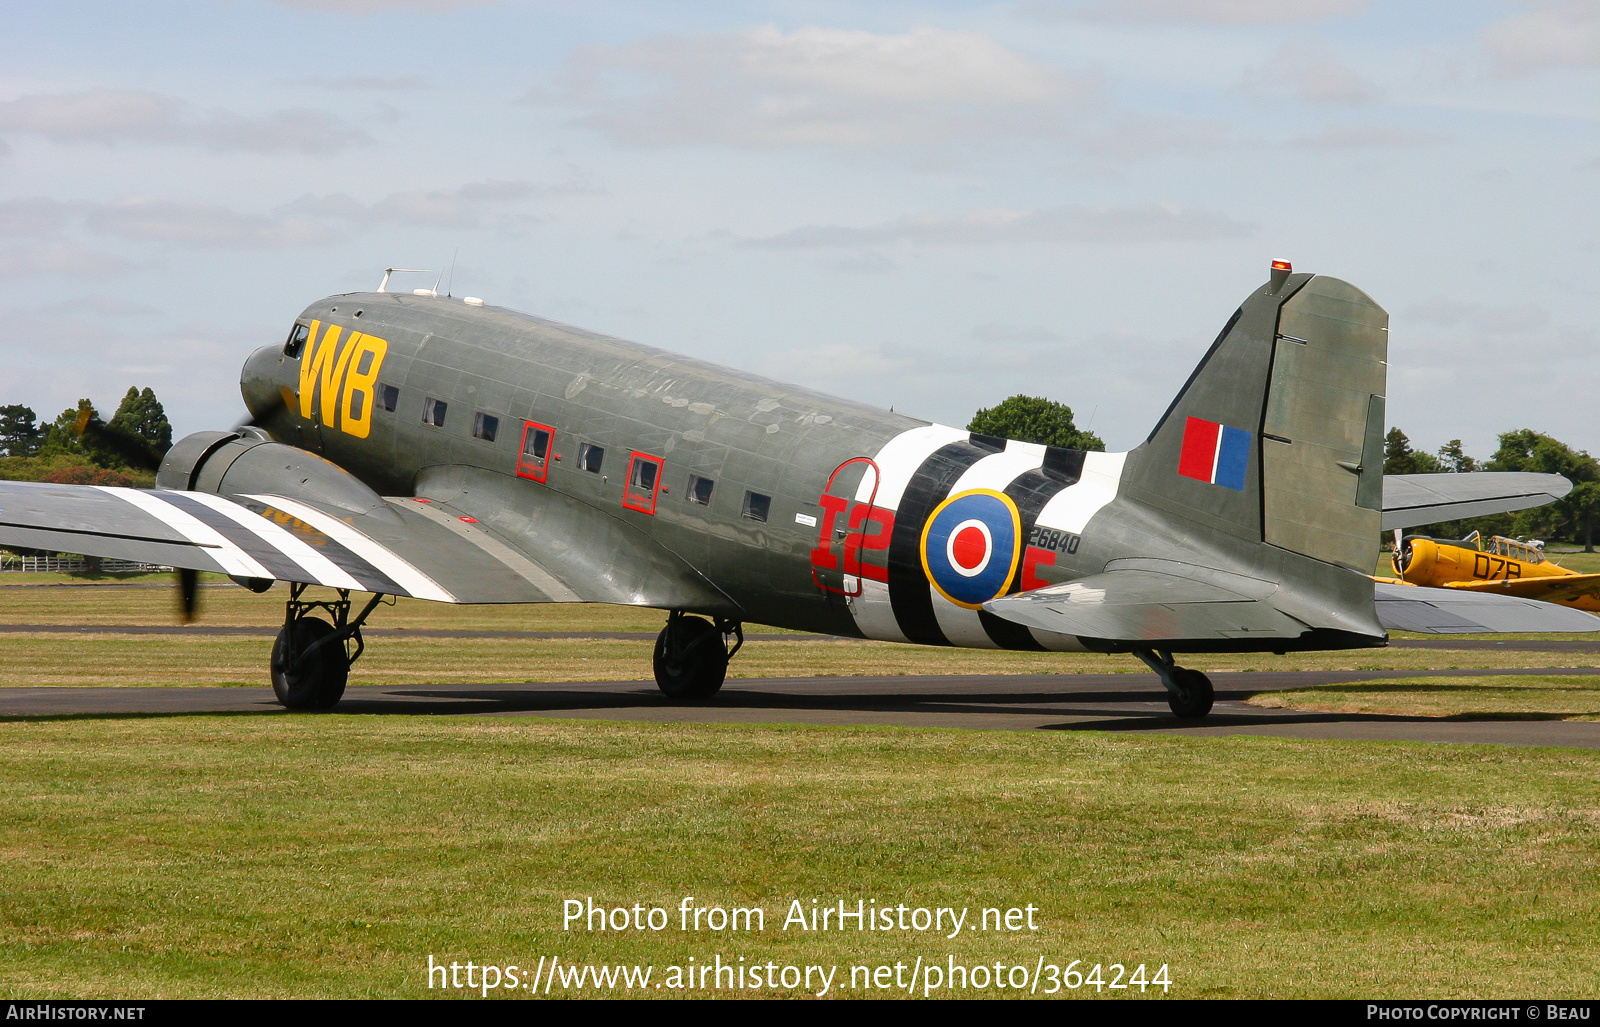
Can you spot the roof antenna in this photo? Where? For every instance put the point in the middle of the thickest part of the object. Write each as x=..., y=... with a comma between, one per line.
x=436, y=282
x=452, y=283
x=383, y=286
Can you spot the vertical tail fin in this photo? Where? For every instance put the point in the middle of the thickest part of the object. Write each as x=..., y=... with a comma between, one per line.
x=1277, y=437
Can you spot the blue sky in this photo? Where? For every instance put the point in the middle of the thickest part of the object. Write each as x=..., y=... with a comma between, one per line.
x=924, y=205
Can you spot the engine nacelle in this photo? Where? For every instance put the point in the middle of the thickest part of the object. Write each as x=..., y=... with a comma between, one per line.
x=247, y=462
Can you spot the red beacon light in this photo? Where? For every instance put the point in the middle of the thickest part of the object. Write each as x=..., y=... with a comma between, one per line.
x=1281, y=269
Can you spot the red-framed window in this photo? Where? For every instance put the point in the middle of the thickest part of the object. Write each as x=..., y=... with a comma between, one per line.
x=643, y=483
x=533, y=459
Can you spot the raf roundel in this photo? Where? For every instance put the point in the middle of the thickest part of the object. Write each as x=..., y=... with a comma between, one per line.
x=970, y=546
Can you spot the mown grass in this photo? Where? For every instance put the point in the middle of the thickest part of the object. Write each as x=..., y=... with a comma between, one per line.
x=1513, y=697
x=329, y=856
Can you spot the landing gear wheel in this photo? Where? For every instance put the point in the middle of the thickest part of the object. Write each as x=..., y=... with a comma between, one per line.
x=317, y=681
x=690, y=660
x=1194, y=695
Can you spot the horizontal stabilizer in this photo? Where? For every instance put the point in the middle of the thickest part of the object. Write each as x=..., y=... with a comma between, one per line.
x=1445, y=611
x=1412, y=499
x=1131, y=604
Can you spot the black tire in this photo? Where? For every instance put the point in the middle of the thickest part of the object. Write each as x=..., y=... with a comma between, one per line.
x=318, y=683
x=1195, y=695
x=698, y=672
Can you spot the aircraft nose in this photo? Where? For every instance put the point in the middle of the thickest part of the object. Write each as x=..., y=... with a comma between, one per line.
x=261, y=381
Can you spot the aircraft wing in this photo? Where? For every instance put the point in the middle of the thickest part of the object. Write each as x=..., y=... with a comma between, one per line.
x=1551, y=590
x=1412, y=499
x=1444, y=611
x=444, y=549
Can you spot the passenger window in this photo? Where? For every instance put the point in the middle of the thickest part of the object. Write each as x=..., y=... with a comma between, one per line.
x=296, y=340
x=589, y=457
x=433, y=411
x=485, y=426
x=756, y=506
x=534, y=460
x=644, y=475
x=700, y=489
x=388, y=397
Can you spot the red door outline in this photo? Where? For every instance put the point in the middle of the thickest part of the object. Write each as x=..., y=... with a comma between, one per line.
x=856, y=538
x=530, y=469
x=635, y=500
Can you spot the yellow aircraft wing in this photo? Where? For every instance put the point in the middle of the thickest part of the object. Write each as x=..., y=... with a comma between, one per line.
x=1555, y=589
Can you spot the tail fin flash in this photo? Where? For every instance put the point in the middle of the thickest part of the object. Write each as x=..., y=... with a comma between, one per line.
x=1278, y=434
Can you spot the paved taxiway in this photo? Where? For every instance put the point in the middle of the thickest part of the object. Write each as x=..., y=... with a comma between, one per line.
x=1063, y=702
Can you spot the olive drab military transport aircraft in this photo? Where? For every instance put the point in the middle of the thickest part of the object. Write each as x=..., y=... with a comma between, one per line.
x=403, y=444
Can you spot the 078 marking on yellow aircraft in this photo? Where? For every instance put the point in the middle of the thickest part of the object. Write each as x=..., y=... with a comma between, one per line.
x=334, y=378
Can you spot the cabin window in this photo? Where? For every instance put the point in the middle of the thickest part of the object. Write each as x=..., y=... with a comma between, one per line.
x=388, y=397
x=589, y=457
x=433, y=411
x=296, y=340
x=756, y=506
x=534, y=459
x=644, y=478
x=485, y=426
x=700, y=489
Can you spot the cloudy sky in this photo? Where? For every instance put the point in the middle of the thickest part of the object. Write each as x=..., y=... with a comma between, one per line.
x=930, y=205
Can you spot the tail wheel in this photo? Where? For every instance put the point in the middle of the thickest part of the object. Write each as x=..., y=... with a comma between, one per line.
x=1194, y=695
x=305, y=678
x=690, y=659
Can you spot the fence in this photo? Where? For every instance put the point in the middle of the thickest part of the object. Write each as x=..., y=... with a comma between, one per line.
x=73, y=564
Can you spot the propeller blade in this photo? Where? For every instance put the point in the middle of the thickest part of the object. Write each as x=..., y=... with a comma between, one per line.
x=188, y=593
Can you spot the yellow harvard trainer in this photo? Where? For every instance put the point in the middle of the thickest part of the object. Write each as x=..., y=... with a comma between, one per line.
x=1496, y=565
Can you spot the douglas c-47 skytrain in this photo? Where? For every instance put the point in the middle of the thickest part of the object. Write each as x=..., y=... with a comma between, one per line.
x=412, y=445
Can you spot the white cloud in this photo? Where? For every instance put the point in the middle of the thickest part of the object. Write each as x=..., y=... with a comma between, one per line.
x=60, y=258
x=453, y=208
x=818, y=87
x=364, y=82
x=118, y=115
x=1551, y=34
x=157, y=220
x=1140, y=223
x=35, y=215
x=1363, y=137
x=1226, y=12
x=1310, y=73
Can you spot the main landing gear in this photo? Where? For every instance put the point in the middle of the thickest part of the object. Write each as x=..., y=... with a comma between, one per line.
x=311, y=658
x=692, y=655
x=1189, y=692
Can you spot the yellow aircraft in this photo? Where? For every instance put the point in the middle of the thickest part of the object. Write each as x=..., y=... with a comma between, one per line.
x=1497, y=565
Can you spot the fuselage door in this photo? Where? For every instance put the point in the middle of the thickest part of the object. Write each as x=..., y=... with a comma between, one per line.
x=852, y=533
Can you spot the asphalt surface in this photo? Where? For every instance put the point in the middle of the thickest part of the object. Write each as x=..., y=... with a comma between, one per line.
x=1055, y=702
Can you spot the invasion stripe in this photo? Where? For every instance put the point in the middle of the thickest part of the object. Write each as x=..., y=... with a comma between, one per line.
x=909, y=594
x=233, y=560
x=277, y=549
x=274, y=510
x=278, y=566
x=291, y=545
x=409, y=581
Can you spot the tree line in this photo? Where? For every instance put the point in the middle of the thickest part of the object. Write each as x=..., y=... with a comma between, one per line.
x=80, y=447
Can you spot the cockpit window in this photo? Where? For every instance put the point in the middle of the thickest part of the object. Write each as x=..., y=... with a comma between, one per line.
x=296, y=340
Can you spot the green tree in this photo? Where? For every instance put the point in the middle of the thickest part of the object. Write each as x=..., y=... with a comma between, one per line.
x=1031, y=419
x=142, y=415
x=20, y=434
x=1453, y=459
x=64, y=435
x=1569, y=518
x=1400, y=458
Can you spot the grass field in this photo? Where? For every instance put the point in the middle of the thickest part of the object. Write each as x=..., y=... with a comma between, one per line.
x=329, y=856
x=1510, y=697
